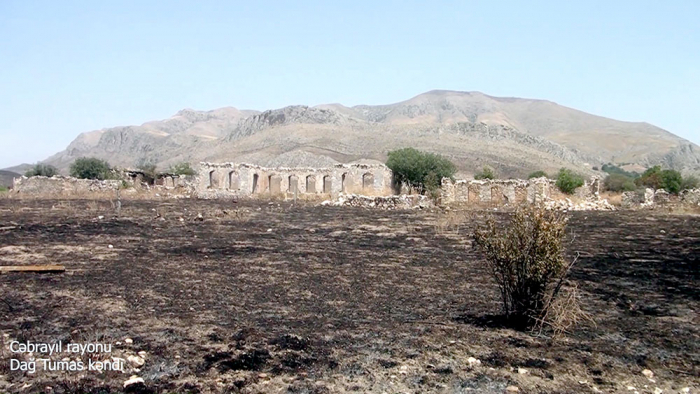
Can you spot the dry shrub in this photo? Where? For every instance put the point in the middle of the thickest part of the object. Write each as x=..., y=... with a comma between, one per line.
x=564, y=312
x=526, y=259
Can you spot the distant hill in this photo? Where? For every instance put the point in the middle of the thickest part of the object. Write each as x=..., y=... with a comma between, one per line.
x=6, y=178
x=514, y=135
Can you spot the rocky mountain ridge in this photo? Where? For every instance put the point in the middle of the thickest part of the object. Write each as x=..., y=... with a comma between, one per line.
x=513, y=135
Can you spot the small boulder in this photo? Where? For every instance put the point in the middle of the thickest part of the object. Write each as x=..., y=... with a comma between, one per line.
x=133, y=380
x=136, y=361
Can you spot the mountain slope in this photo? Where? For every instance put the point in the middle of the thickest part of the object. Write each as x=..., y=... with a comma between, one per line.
x=6, y=178
x=610, y=139
x=514, y=135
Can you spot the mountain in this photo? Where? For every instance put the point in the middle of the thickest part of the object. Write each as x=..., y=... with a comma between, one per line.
x=513, y=135
x=6, y=178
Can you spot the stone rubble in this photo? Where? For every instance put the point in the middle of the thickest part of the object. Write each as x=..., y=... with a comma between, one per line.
x=588, y=205
x=402, y=201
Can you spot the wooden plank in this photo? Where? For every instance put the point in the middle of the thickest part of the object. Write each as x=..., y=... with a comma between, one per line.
x=32, y=268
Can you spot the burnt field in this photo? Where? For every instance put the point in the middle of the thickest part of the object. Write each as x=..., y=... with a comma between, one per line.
x=268, y=297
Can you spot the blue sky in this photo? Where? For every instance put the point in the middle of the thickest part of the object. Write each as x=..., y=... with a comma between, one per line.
x=72, y=66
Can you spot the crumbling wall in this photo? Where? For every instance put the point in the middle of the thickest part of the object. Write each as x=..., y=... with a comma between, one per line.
x=650, y=198
x=60, y=186
x=691, y=196
x=510, y=191
x=495, y=191
x=56, y=186
x=234, y=179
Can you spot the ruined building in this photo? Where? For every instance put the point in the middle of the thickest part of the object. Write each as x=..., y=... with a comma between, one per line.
x=222, y=179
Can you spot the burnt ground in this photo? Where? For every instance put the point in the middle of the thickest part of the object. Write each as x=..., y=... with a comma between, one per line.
x=266, y=297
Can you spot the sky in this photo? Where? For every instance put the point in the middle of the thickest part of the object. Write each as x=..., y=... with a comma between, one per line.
x=68, y=67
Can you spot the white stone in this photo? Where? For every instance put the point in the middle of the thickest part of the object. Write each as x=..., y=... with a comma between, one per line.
x=136, y=361
x=648, y=373
x=133, y=380
x=522, y=371
x=473, y=361
x=128, y=341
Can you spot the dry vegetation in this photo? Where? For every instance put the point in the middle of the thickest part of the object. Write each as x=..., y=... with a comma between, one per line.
x=267, y=297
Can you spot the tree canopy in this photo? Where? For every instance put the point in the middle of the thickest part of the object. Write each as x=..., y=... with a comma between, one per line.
x=90, y=168
x=40, y=169
x=568, y=181
x=421, y=170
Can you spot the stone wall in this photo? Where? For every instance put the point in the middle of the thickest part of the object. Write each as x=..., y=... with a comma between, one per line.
x=691, y=196
x=509, y=191
x=649, y=198
x=217, y=180
x=60, y=186
x=57, y=186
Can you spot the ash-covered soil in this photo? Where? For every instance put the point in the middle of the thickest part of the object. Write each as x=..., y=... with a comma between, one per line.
x=268, y=297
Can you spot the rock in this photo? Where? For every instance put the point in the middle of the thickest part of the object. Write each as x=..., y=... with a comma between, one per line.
x=685, y=390
x=473, y=362
x=262, y=375
x=648, y=373
x=110, y=246
x=128, y=341
x=522, y=371
x=387, y=202
x=133, y=380
x=658, y=390
x=136, y=361
x=142, y=354
x=512, y=389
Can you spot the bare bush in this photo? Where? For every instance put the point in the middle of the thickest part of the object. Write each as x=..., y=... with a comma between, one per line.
x=526, y=259
x=564, y=312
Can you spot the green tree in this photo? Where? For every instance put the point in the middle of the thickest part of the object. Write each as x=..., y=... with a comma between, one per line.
x=651, y=178
x=486, y=173
x=537, y=174
x=90, y=168
x=40, y=169
x=656, y=178
x=182, y=169
x=568, y=181
x=619, y=183
x=672, y=181
x=421, y=170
